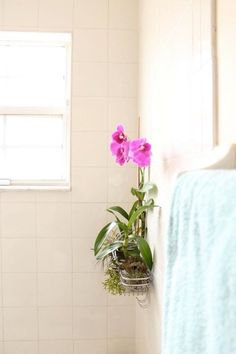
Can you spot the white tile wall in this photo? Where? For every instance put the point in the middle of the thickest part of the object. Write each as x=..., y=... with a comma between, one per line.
x=90, y=346
x=124, y=315
x=89, y=185
x=122, y=80
x=89, y=291
x=90, y=44
x=54, y=13
x=20, y=323
x=123, y=14
x=123, y=46
x=23, y=347
x=1, y=326
x=123, y=107
x=90, y=324
x=55, y=323
x=121, y=346
x=90, y=79
x=51, y=295
x=89, y=114
x=91, y=13
x=24, y=216
x=54, y=255
x=53, y=219
x=19, y=289
x=20, y=13
x=56, y=347
x=97, y=218
x=92, y=147
x=19, y=255
x=83, y=259
x=1, y=12
x=54, y=289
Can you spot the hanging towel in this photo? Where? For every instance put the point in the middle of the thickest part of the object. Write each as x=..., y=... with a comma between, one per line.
x=200, y=282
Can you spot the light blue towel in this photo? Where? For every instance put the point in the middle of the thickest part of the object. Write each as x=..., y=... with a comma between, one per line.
x=200, y=284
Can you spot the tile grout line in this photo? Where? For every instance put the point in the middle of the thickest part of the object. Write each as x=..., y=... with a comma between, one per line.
x=71, y=204
x=1, y=265
x=37, y=271
x=37, y=21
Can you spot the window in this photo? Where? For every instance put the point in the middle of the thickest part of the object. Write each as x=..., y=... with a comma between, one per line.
x=34, y=109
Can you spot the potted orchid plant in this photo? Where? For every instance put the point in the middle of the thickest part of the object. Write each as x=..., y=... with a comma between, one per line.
x=121, y=244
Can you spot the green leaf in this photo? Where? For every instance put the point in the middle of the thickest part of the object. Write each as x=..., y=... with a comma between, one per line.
x=123, y=227
x=145, y=251
x=102, y=236
x=108, y=250
x=133, y=253
x=149, y=186
x=137, y=193
x=134, y=207
x=138, y=212
x=112, y=212
x=119, y=210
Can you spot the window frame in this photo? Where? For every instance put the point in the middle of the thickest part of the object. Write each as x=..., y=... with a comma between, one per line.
x=53, y=39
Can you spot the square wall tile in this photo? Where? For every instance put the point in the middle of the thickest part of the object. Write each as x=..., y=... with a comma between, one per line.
x=22, y=347
x=19, y=289
x=90, y=45
x=122, y=80
x=54, y=255
x=1, y=12
x=18, y=220
x=1, y=290
x=53, y=196
x=1, y=325
x=20, y=323
x=89, y=185
x=89, y=79
x=123, y=110
x=53, y=220
x=88, y=290
x=91, y=13
x=89, y=114
x=20, y=13
x=56, y=13
x=83, y=257
x=55, y=323
x=121, y=322
x=120, y=182
x=88, y=219
x=89, y=149
x=123, y=14
x=89, y=322
x=18, y=196
x=121, y=346
x=124, y=300
x=54, y=289
x=90, y=346
x=56, y=347
x=123, y=46
x=19, y=255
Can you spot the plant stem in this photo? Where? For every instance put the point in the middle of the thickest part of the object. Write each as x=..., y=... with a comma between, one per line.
x=142, y=218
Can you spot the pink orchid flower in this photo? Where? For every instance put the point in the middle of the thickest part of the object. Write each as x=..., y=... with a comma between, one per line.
x=120, y=146
x=119, y=136
x=140, y=152
x=121, y=151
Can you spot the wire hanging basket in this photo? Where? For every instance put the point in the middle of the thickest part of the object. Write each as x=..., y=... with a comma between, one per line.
x=135, y=283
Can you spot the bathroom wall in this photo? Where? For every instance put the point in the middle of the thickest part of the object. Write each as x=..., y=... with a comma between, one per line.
x=176, y=109
x=51, y=297
x=226, y=23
